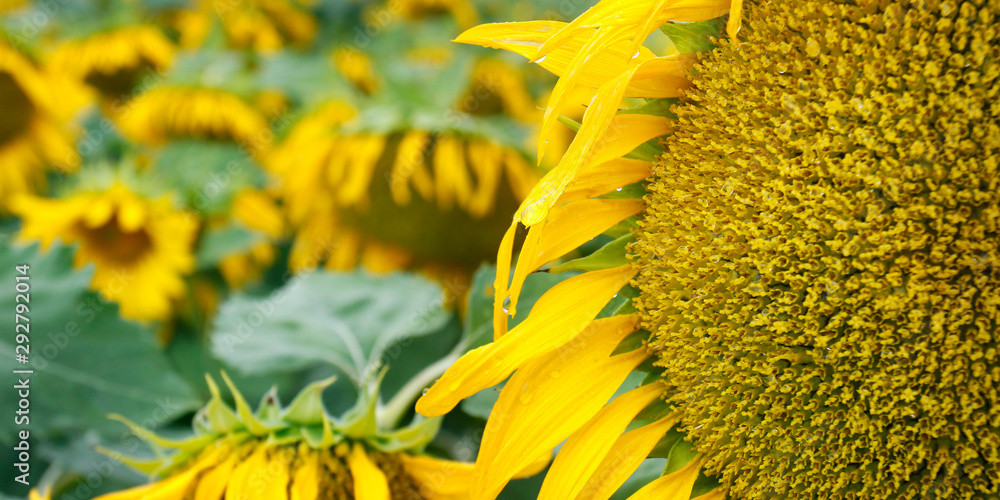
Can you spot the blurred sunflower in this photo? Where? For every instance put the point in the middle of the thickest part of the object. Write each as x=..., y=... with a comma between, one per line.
x=462, y=11
x=141, y=248
x=814, y=272
x=32, y=132
x=258, y=212
x=173, y=112
x=496, y=87
x=402, y=199
x=299, y=453
x=114, y=62
x=262, y=25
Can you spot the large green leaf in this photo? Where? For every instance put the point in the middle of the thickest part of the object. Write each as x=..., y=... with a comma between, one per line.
x=87, y=361
x=347, y=320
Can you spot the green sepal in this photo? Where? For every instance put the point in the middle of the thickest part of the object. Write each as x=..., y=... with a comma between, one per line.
x=413, y=437
x=611, y=255
x=190, y=444
x=654, y=107
x=703, y=485
x=321, y=436
x=656, y=410
x=647, y=151
x=649, y=365
x=307, y=407
x=270, y=406
x=696, y=36
x=666, y=444
x=148, y=467
x=362, y=420
x=631, y=342
x=634, y=191
x=221, y=417
x=680, y=454
x=246, y=414
x=624, y=227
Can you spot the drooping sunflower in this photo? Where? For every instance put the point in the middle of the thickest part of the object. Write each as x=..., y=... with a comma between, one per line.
x=298, y=452
x=263, y=25
x=141, y=248
x=395, y=200
x=33, y=135
x=172, y=112
x=814, y=265
x=114, y=62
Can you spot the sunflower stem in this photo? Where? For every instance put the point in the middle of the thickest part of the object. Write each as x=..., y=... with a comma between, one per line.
x=392, y=412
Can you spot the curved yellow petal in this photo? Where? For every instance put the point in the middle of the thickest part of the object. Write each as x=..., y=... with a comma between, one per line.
x=369, y=481
x=241, y=484
x=439, y=478
x=676, y=486
x=605, y=177
x=567, y=227
x=548, y=399
x=583, y=452
x=559, y=316
x=735, y=20
x=596, y=120
x=213, y=484
x=504, y=255
x=624, y=458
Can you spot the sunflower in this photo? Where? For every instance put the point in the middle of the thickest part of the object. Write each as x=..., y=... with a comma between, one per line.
x=32, y=135
x=263, y=25
x=258, y=212
x=356, y=67
x=814, y=267
x=114, y=62
x=298, y=452
x=141, y=248
x=394, y=200
x=462, y=11
x=172, y=112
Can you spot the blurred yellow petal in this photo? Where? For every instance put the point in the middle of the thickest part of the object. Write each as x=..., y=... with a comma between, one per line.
x=439, y=478
x=583, y=452
x=369, y=481
x=306, y=481
x=559, y=316
x=212, y=485
x=624, y=458
x=241, y=485
x=549, y=398
x=676, y=486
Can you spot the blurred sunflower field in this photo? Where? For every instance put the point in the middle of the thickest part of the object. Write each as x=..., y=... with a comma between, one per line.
x=295, y=202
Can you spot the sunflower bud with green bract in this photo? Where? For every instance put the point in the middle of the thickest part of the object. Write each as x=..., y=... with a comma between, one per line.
x=809, y=260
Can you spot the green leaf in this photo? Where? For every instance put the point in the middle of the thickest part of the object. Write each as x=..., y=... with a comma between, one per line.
x=219, y=243
x=347, y=320
x=87, y=361
x=207, y=174
x=694, y=37
x=611, y=255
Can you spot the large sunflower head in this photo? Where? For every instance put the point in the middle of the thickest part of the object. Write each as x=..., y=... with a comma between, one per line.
x=33, y=134
x=140, y=247
x=395, y=199
x=297, y=452
x=114, y=62
x=813, y=267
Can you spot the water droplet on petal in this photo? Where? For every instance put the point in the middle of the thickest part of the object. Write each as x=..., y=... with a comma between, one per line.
x=506, y=305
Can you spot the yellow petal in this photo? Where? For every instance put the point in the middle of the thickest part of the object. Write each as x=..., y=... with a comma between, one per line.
x=583, y=452
x=548, y=399
x=595, y=123
x=408, y=166
x=624, y=458
x=305, y=482
x=361, y=169
x=627, y=132
x=567, y=227
x=500, y=282
x=131, y=214
x=558, y=316
x=276, y=476
x=642, y=16
x=213, y=484
x=735, y=20
x=451, y=175
x=241, y=482
x=662, y=77
x=438, y=478
x=369, y=481
x=171, y=488
x=605, y=177
x=676, y=486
